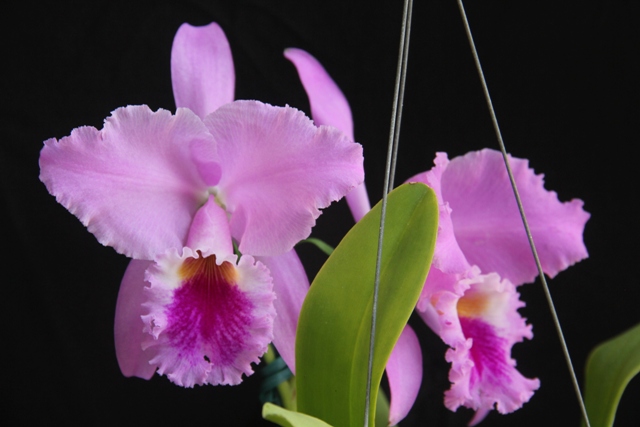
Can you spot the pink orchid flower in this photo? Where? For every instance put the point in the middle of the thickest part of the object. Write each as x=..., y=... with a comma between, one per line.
x=482, y=253
x=174, y=192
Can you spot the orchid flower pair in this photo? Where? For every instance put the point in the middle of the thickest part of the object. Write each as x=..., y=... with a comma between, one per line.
x=176, y=192
x=482, y=253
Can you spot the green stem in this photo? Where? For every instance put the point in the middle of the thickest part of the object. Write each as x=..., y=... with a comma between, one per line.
x=324, y=247
x=285, y=388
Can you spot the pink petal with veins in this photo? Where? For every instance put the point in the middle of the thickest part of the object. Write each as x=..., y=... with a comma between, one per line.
x=202, y=69
x=133, y=183
x=128, y=326
x=278, y=171
x=290, y=284
x=404, y=372
x=488, y=227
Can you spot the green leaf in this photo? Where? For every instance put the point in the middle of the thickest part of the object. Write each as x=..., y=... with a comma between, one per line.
x=610, y=367
x=286, y=418
x=332, y=342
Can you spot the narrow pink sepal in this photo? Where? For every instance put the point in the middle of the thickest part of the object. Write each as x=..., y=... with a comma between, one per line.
x=358, y=201
x=488, y=227
x=133, y=183
x=404, y=372
x=480, y=415
x=290, y=284
x=202, y=69
x=278, y=171
x=209, y=230
x=128, y=325
x=329, y=106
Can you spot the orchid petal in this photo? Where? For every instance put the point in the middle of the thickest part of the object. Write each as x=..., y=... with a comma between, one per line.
x=128, y=326
x=202, y=69
x=133, y=183
x=438, y=302
x=480, y=415
x=483, y=374
x=487, y=224
x=358, y=201
x=329, y=106
x=209, y=319
x=290, y=284
x=404, y=372
x=278, y=170
x=447, y=257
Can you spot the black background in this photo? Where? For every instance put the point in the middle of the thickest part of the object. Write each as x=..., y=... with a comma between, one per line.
x=564, y=79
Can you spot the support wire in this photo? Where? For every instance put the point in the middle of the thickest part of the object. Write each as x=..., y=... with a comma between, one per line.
x=545, y=287
x=394, y=136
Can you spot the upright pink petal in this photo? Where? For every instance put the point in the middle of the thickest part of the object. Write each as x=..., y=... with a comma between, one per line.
x=290, y=284
x=133, y=183
x=128, y=326
x=278, y=171
x=329, y=106
x=202, y=69
x=487, y=224
x=404, y=372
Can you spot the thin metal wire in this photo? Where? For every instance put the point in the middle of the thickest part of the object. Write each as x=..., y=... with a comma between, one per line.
x=545, y=287
x=394, y=134
x=403, y=80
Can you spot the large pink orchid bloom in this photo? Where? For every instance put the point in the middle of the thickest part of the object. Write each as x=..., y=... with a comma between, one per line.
x=174, y=191
x=481, y=254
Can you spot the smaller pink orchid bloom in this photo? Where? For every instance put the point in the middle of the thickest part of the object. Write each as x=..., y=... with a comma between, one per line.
x=482, y=254
x=480, y=239
x=174, y=191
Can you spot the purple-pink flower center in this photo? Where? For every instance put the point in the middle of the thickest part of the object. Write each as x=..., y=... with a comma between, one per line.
x=487, y=352
x=209, y=313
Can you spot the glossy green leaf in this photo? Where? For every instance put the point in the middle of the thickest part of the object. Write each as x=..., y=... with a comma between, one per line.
x=285, y=418
x=610, y=367
x=332, y=343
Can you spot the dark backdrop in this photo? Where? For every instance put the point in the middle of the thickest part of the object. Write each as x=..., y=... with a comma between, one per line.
x=564, y=80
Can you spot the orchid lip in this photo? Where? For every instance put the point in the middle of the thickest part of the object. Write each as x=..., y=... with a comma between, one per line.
x=210, y=318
